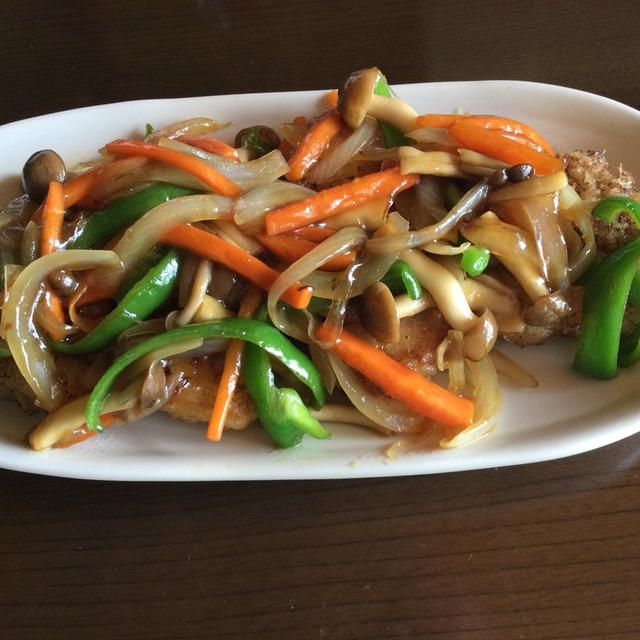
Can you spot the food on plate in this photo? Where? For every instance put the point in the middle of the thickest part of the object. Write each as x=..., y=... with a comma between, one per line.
x=361, y=264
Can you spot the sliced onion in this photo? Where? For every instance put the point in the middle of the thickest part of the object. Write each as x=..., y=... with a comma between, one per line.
x=246, y=175
x=473, y=199
x=539, y=215
x=230, y=232
x=63, y=423
x=487, y=402
x=118, y=177
x=199, y=287
x=342, y=413
x=192, y=126
x=369, y=216
x=249, y=208
x=337, y=157
x=513, y=246
x=13, y=219
x=30, y=242
x=29, y=351
x=320, y=359
x=513, y=371
x=579, y=216
x=440, y=248
x=300, y=270
x=378, y=407
x=143, y=234
x=537, y=186
x=450, y=358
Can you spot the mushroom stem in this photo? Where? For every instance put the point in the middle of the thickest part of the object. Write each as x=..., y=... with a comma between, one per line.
x=407, y=307
x=393, y=110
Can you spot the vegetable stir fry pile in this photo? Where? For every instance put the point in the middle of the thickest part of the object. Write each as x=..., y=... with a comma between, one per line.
x=357, y=265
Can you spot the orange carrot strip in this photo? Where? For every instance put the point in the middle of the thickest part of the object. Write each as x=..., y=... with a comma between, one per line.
x=78, y=187
x=329, y=202
x=494, y=144
x=190, y=164
x=514, y=127
x=315, y=141
x=332, y=98
x=496, y=123
x=211, y=145
x=416, y=392
x=84, y=434
x=52, y=217
x=211, y=247
x=52, y=304
x=291, y=248
x=314, y=233
x=230, y=371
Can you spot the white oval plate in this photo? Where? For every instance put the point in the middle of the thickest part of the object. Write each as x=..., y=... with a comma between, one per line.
x=567, y=414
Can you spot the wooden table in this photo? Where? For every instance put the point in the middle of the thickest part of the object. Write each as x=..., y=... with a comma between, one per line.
x=543, y=551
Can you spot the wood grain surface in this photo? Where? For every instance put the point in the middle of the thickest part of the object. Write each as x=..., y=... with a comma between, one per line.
x=545, y=551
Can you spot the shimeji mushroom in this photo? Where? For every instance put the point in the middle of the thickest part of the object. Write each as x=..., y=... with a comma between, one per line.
x=356, y=99
x=381, y=312
x=480, y=332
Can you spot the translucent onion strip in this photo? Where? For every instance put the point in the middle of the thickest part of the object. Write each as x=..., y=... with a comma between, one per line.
x=537, y=186
x=344, y=414
x=299, y=271
x=200, y=284
x=62, y=424
x=143, y=234
x=471, y=200
x=579, y=216
x=246, y=175
x=375, y=405
x=249, y=208
x=192, y=126
x=511, y=370
x=29, y=351
x=539, y=215
x=487, y=402
x=513, y=246
x=337, y=157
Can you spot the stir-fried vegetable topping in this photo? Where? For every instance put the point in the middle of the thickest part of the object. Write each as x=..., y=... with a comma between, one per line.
x=395, y=249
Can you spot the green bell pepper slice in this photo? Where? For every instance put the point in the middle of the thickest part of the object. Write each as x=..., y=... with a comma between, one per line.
x=247, y=329
x=601, y=347
x=282, y=412
x=391, y=135
x=400, y=279
x=104, y=223
x=254, y=143
x=141, y=300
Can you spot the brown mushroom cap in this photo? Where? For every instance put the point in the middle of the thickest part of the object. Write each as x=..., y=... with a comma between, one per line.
x=379, y=313
x=39, y=170
x=479, y=340
x=355, y=95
